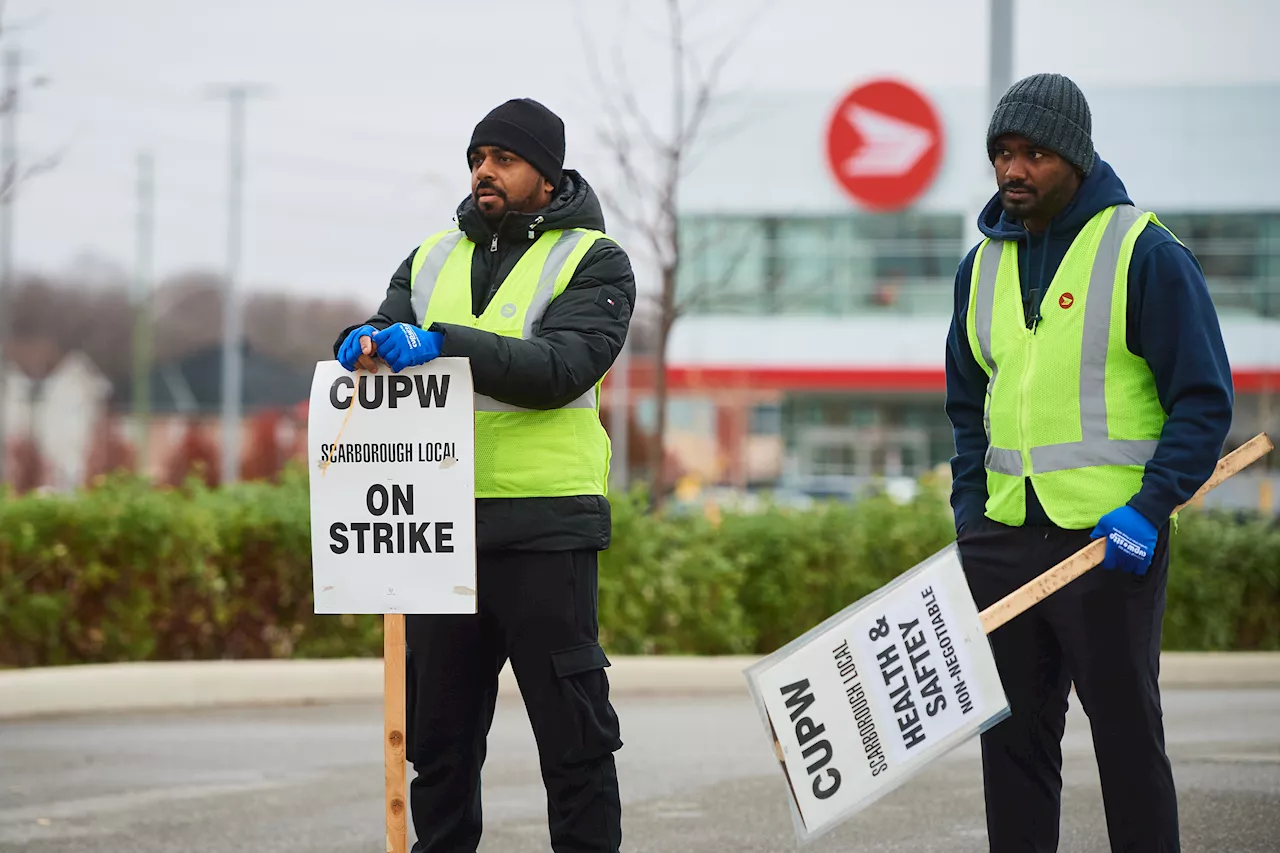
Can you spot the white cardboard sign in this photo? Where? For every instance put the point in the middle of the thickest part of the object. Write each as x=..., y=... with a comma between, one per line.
x=392, y=472
x=866, y=699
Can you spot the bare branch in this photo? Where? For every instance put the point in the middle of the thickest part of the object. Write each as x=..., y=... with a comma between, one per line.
x=705, y=93
x=635, y=222
x=632, y=110
x=632, y=175
x=29, y=23
x=17, y=175
x=700, y=295
x=44, y=164
x=654, y=300
x=707, y=85
x=707, y=240
x=650, y=167
x=713, y=134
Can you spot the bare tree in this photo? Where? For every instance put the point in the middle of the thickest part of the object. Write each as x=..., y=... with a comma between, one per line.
x=19, y=173
x=651, y=163
x=13, y=174
x=53, y=316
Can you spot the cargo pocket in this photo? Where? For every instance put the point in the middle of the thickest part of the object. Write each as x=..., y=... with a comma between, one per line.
x=585, y=691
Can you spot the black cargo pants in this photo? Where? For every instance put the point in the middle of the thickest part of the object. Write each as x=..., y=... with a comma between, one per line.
x=1102, y=632
x=537, y=609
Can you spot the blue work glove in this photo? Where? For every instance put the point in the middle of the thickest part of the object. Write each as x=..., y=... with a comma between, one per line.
x=350, y=352
x=1131, y=540
x=402, y=346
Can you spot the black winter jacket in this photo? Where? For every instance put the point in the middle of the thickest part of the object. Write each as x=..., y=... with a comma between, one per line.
x=582, y=332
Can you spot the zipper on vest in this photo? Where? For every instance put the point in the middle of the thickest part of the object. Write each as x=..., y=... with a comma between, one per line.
x=1024, y=425
x=535, y=224
x=493, y=244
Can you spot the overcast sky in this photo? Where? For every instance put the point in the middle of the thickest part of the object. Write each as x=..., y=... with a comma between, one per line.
x=356, y=148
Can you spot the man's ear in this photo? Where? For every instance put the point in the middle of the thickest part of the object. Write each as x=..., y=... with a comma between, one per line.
x=548, y=187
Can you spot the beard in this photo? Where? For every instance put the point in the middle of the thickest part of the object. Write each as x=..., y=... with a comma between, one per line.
x=495, y=207
x=1040, y=203
x=1020, y=206
x=492, y=207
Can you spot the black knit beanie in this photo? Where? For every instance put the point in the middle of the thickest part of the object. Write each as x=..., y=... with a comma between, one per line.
x=1050, y=111
x=527, y=128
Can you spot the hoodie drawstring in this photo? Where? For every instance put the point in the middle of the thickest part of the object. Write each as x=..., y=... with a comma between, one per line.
x=1041, y=286
x=1034, y=293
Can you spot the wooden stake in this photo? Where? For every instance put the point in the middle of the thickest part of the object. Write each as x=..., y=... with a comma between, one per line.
x=393, y=699
x=1040, y=588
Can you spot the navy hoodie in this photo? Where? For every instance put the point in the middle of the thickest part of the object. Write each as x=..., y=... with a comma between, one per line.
x=1171, y=324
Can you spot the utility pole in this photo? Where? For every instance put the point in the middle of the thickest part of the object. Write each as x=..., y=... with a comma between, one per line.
x=232, y=363
x=1000, y=27
x=9, y=186
x=1000, y=67
x=142, y=330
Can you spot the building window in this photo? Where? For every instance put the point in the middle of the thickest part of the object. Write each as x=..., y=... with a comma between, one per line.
x=766, y=419
x=906, y=262
x=695, y=415
x=1240, y=256
x=843, y=264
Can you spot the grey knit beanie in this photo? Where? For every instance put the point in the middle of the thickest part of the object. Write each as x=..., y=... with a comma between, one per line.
x=1051, y=111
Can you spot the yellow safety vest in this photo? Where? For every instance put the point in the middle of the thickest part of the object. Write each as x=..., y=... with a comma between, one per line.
x=1067, y=405
x=520, y=453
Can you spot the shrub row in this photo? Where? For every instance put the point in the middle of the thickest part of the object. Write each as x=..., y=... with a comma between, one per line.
x=125, y=571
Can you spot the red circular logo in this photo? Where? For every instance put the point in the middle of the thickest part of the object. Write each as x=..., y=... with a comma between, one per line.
x=1066, y=300
x=884, y=144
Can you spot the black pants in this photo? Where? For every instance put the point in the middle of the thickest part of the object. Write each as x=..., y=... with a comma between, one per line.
x=1102, y=632
x=537, y=609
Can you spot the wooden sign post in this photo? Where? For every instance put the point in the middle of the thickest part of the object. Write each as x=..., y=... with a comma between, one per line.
x=393, y=704
x=392, y=477
x=1091, y=555
x=866, y=699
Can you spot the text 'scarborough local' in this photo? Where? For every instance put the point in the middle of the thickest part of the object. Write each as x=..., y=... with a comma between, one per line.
x=392, y=475
x=884, y=145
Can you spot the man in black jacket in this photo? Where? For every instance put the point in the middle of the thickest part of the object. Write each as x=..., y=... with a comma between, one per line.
x=537, y=551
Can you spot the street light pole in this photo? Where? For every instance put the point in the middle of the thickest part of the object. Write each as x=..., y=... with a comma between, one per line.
x=1000, y=26
x=1000, y=67
x=232, y=361
x=142, y=319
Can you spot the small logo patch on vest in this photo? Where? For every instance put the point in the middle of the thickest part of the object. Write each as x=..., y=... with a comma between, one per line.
x=1066, y=300
x=509, y=310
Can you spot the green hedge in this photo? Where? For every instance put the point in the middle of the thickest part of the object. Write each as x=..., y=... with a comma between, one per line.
x=124, y=571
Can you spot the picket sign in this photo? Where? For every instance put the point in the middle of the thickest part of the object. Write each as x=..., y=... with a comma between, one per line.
x=862, y=702
x=392, y=473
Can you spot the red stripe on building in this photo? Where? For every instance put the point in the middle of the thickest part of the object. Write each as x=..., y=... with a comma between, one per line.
x=908, y=379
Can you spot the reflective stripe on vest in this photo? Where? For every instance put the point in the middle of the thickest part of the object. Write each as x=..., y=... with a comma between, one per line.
x=429, y=275
x=1095, y=447
x=519, y=452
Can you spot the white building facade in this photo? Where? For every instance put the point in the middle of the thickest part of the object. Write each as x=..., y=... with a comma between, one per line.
x=812, y=355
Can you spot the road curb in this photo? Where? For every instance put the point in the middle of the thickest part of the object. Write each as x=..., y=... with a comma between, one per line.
x=111, y=688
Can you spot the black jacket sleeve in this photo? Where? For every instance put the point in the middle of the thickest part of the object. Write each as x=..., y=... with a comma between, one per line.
x=396, y=306
x=581, y=334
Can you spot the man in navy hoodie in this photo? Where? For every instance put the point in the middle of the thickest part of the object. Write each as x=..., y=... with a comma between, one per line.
x=1090, y=394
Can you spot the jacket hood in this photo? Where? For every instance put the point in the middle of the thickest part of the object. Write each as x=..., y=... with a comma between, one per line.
x=1100, y=189
x=575, y=205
